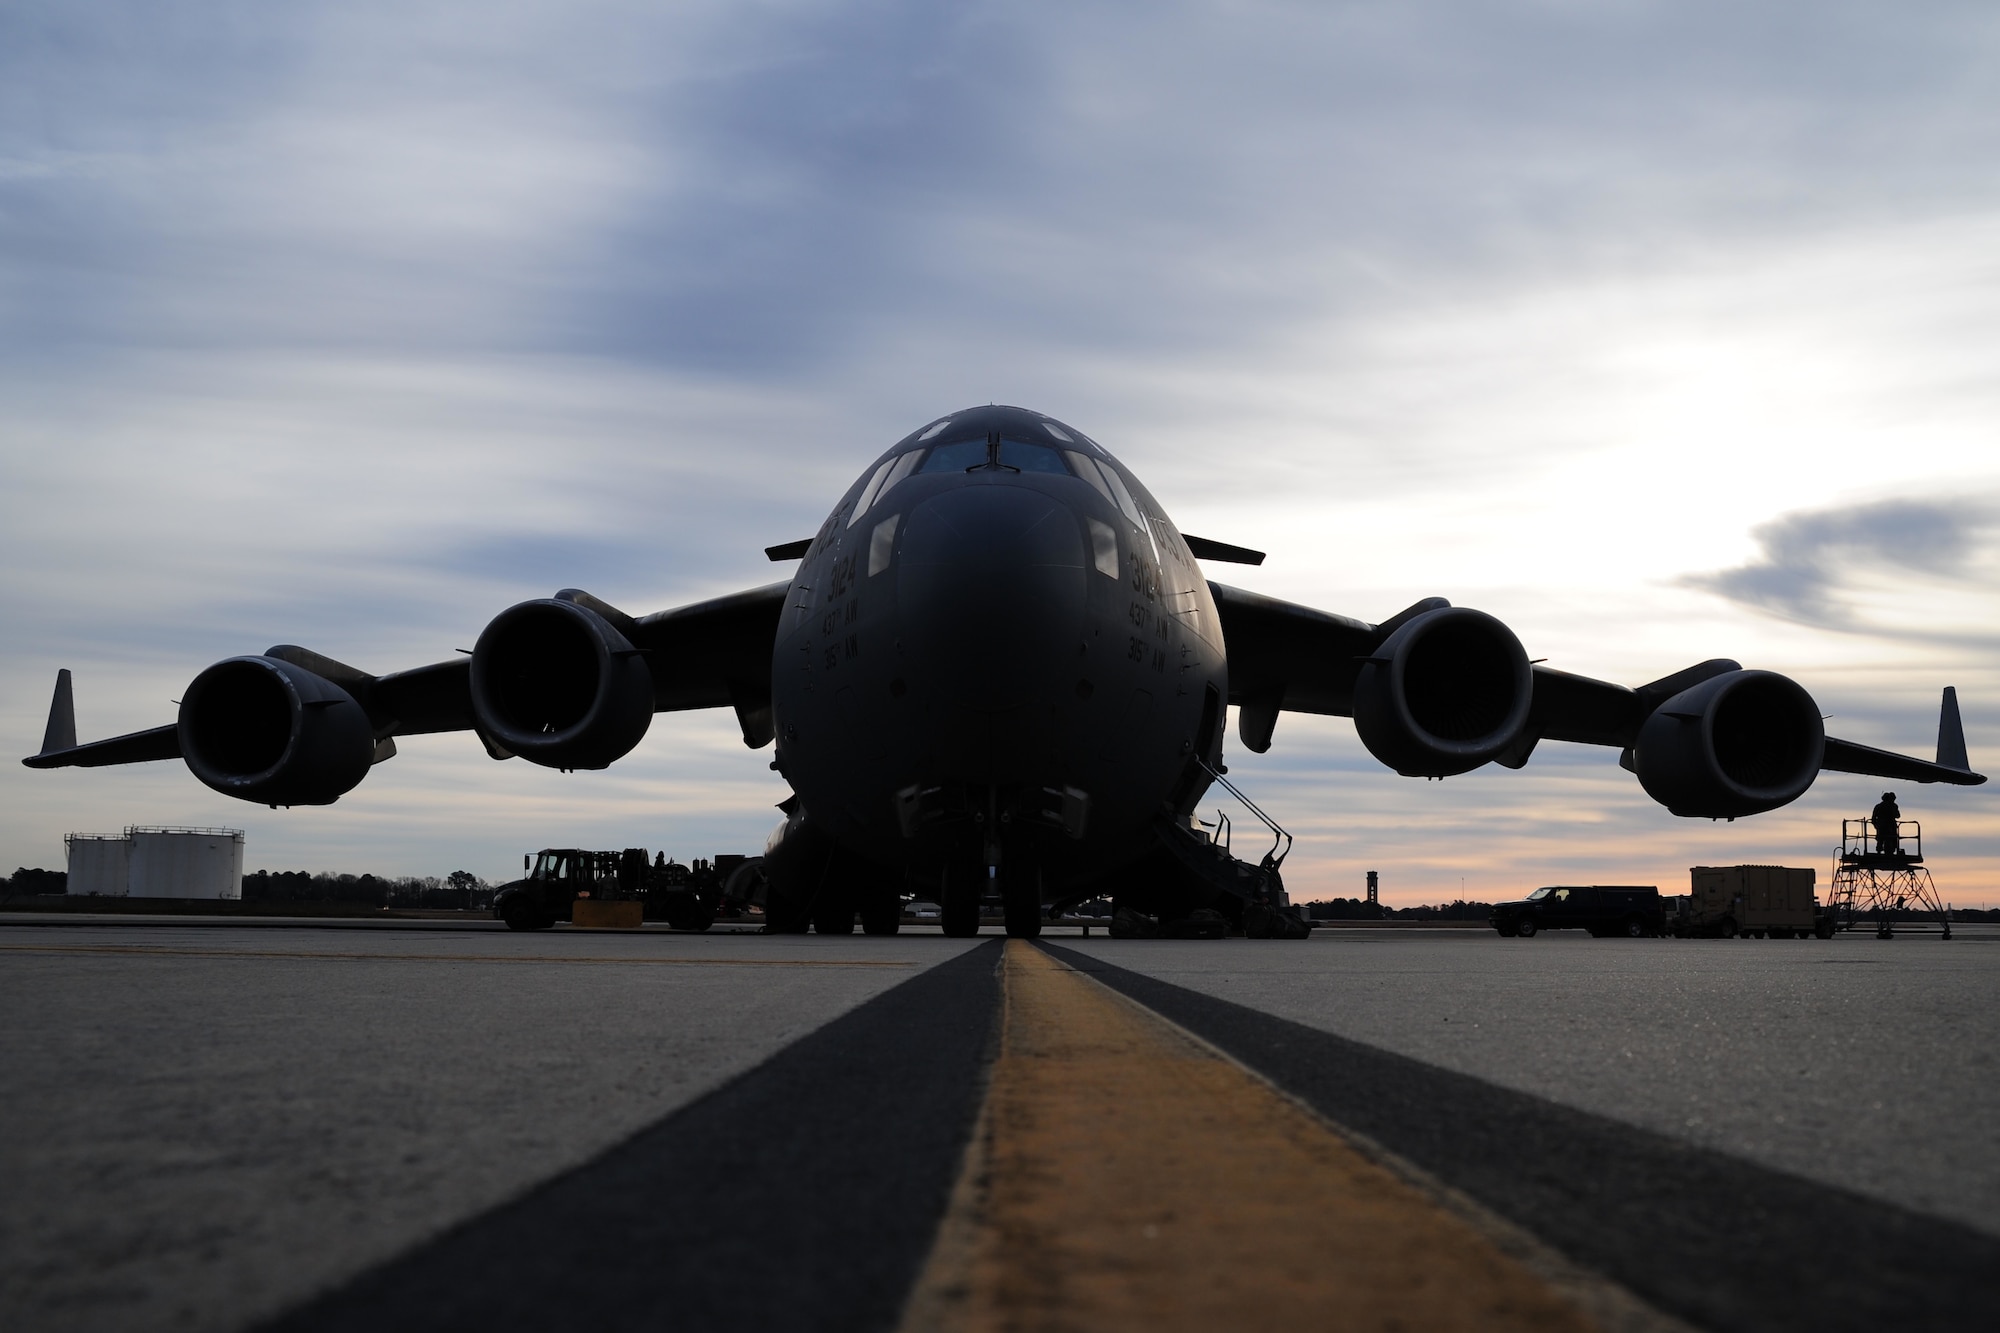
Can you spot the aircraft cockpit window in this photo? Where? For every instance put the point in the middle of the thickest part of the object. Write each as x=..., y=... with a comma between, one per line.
x=1104, y=548
x=1057, y=431
x=868, y=492
x=1085, y=468
x=882, y=545
x=1030, y=457
x=1125, y=500
x=932, y=433
x=882, y=482
x=904, y=467
x=958, y=456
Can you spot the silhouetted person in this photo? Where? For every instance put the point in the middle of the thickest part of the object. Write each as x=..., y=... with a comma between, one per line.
x=1885, y=815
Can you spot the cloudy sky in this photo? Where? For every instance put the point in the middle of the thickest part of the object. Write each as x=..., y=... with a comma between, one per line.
x=1662, y=331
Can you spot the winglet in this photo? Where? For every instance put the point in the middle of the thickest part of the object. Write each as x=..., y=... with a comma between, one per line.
x=61, y=733
x=1951, y=732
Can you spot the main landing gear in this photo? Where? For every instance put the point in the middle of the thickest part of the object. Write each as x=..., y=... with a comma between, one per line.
x=1020, y=896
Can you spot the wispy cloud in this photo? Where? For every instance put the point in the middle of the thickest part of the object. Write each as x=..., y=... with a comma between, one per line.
x=1812, y=561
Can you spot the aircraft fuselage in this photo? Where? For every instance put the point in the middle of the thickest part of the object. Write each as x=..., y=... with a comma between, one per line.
x=998, y=657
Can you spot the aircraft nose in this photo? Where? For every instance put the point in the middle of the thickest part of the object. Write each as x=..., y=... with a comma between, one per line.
x=992, y=592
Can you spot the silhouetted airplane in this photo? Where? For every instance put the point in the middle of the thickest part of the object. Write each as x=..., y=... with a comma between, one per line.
x=999, y=671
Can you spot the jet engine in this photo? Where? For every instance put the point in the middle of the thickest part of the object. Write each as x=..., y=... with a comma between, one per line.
x=1737, y=744
x=265, y=730
x=1444, y=694
x=559, y=685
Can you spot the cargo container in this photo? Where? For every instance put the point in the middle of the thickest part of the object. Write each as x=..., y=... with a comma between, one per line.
x=1758, y=901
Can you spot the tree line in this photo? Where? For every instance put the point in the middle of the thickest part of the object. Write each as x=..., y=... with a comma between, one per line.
x=1360, y=909
x=460, y=889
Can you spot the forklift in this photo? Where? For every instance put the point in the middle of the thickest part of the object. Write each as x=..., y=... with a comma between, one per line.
x=556, y=877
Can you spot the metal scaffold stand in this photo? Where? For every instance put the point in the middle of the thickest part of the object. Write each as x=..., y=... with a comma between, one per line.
x=1884, y=878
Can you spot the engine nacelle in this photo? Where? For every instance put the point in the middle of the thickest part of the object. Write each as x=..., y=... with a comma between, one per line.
x=1446, y=693
x=557, y=684
x=1737, y=744
x=260, y=729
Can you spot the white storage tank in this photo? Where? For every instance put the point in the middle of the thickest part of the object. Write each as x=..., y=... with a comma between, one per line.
x=185, y=862
x=97, y=864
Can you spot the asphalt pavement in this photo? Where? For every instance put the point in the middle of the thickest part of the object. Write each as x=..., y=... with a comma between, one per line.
x=216, y=1126
x=205, y=1125
x=1864, y=1063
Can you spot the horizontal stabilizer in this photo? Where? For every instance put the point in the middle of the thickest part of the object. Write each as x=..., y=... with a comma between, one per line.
x=1205, y=549
x=1849, y=757
x=789, y=550
x=60, y=750
x=138, y=747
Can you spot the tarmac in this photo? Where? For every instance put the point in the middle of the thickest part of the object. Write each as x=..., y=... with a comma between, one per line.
x=231, y=1123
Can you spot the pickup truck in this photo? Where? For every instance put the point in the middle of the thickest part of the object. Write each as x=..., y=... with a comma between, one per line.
x=1602, y=909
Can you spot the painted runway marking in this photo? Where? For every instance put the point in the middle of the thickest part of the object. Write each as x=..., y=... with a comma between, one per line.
x=1126, y=1176
x=1671, y=1230
x=163, y=951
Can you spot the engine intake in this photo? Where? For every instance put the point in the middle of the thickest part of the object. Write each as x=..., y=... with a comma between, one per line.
x=1446, y=693
x=261, y=729
x=1737, y=744
x=557, y=684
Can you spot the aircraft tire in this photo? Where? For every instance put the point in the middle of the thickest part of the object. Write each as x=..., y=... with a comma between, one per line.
x=1023, y=925
x=958, y=901
x=882, y=918
x=784, y=914
x=833, y=914
x=1021, y=903
x=960, y=920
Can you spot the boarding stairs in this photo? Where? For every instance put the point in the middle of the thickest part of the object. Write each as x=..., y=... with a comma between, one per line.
x=1255, y=893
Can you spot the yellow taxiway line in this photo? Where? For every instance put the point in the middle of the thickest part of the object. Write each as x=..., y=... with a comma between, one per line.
x=1127, y=1176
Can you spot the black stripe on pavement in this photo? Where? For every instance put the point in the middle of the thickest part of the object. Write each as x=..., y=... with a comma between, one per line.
x=1716, y=1240
x=804, y=1194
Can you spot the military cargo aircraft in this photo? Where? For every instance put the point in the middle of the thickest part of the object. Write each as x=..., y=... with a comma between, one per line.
x=999, y=671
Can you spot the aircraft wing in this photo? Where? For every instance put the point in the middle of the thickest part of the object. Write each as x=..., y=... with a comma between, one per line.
x=1283, y=656
x=712, y=654
x=715, y=653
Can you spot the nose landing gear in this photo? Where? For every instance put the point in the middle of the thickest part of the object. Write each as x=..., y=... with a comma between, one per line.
x=959, y=912
x=1021, y=903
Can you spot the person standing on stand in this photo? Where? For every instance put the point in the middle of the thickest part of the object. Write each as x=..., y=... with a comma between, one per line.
x=1887, y=840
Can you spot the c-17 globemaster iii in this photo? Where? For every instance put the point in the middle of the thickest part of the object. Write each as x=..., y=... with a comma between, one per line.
x=998, y=672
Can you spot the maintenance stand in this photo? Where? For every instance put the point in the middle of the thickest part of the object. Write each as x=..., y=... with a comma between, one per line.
x=1871, y=881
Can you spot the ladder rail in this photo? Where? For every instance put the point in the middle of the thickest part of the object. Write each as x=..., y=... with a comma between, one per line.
x=1279, y=837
